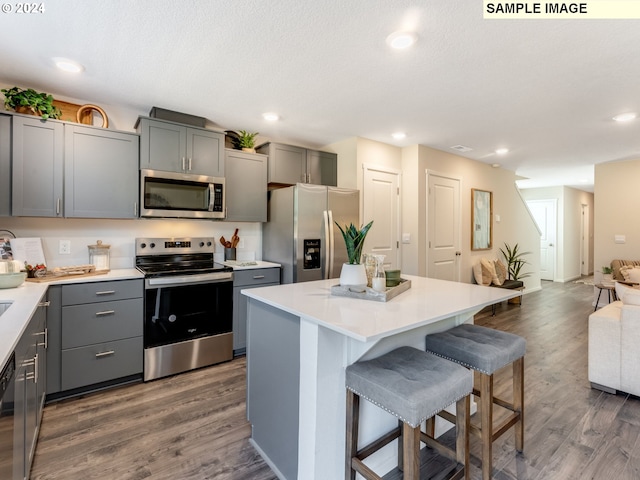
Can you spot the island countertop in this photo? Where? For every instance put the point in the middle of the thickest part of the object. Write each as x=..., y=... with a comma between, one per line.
x=427, y=301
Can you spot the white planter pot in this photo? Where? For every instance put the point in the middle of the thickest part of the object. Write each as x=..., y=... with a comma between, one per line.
x=607, y=279
x=352, y=275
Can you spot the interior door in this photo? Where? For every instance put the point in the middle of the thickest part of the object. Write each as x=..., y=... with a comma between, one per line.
x=544, y=213
x=443, y=255
x=381, y=203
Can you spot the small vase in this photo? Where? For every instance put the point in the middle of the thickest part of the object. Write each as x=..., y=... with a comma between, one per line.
x=353, y=275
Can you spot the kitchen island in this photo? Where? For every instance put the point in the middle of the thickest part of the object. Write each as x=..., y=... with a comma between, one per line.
x=300, y=339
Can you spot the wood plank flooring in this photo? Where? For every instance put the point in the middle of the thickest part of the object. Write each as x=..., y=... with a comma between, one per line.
x=193, y=426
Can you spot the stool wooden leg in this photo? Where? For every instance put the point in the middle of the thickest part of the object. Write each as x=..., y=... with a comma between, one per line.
x=462, y=433
x=411, y=448
x=353, y=418
x=486, y=424
x=518, y=401
x=400, y=450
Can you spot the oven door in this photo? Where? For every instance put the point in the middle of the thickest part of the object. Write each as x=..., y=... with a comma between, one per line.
x=187, y=307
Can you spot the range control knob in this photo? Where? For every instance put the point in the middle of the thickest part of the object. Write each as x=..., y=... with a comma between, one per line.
x=143, y=245
x=152, y=245
x=208, y=244
x=202, y=244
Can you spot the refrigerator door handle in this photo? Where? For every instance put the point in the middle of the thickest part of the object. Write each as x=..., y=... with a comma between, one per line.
x=332, y=245
x=327, y=245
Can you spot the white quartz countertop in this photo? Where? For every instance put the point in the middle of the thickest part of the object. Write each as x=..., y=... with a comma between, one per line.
x=24, y=301
x=240, y=265
x=427, y=301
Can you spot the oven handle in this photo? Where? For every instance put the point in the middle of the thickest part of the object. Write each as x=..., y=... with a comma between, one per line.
x=189, y=279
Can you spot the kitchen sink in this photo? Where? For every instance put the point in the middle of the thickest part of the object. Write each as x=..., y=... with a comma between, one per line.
x=4, y=306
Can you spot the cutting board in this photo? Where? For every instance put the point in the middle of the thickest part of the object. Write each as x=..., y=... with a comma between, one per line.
x=50, y=277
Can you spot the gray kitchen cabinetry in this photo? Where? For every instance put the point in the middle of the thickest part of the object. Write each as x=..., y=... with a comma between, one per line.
x=246, y=186
x=289, y=164
x=30, y=387
x=5, y=165
x=95, y=335
x=243, y=279
x=174, y=147
x=64, y=169
x=101, y=173
x=37, y=159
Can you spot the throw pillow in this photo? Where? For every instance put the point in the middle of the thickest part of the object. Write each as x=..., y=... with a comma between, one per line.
x=634, y=274
x=501, y=271
x=621, y=289
x=488, y=270
x=624, y=271
x=482, y=274
x=477, y=273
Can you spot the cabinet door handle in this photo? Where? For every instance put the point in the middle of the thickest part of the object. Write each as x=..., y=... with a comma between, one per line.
x=58, y=206
x=135, y=209
x=258, y=277
x=35, y=369
x=46, y=338
x=106, y=312
x=189, y=163
x=184, y=161
x=104, y=354
x=44, y=304
x=106, y=292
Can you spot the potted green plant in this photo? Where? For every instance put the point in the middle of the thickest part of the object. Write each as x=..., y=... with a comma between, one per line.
x=353, y=273
x=31, y=102
x=515, y=262
x=242, y=140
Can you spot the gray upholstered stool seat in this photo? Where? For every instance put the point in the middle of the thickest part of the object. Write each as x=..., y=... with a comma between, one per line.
x=413, y=385
x=487, y=350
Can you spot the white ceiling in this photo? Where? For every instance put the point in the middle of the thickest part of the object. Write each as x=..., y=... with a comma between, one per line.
x=546, y=89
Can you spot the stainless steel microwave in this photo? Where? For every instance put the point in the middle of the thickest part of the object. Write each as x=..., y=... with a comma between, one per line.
x=181, y=195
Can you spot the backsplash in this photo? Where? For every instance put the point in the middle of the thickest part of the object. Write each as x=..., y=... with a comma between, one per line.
x=121, y=235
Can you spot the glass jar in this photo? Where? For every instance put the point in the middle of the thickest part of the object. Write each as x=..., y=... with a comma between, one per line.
x=379, y=280
x=99, y=255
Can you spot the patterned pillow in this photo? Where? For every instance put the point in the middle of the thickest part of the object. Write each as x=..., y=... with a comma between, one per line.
x=489, y=270
x=482, y=275
x=628, y=271
x=501, y=272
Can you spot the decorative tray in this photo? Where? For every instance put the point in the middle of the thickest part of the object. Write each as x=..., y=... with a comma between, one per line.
x=370, y=293
x=65, y=272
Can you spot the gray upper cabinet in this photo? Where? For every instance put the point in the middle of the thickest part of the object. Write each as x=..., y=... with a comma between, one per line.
x=289, y=164
x=322, y=168
x=101, y=173
x=5, y=165
x=246, y=185
x=173, y=147
x=37, y=167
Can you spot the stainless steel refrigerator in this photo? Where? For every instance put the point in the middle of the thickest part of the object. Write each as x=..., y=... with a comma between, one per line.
x=301, y=233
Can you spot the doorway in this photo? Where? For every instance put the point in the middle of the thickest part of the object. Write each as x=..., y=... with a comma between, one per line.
x=544, y=213
x=585, y=244
x=381, y=203
x=443, y=227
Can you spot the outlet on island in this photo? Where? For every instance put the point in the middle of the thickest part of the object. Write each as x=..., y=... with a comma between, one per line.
x=65, y=247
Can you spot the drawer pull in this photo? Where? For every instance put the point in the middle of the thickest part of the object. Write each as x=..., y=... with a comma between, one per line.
x=104, y=354
x=106, y=292
x=44, y=304
x=258, y=277
x=106, y=312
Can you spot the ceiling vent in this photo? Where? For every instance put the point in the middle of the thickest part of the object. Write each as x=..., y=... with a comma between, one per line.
x=461, y=148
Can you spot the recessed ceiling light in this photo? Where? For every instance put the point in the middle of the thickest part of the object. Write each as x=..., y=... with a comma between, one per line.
x=400, y=40
x=271, y=117
x=67, y=65
x=495, y=165
x=502, y=151
x=399, y=135
x=461, y=148
x=625, y=117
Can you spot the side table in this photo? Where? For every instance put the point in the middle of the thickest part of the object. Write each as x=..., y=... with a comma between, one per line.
x=611, y=292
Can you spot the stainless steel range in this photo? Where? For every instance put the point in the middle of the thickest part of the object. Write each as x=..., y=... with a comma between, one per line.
x=188, y=305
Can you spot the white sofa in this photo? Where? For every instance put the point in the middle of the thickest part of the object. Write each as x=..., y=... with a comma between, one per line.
x=614, y=335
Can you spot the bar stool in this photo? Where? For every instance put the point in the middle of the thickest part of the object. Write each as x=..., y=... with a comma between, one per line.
x=413, y=385
x=486, y=350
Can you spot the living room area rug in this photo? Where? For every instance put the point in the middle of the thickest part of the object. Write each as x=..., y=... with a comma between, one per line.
x=587, y=280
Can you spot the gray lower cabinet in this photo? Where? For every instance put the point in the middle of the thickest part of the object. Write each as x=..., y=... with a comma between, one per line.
x=30, y=386
x=246, y=186
x=174, y=147
x=5, y=165
x=97, y=335
x=101, y=173
x=289, y=165
x=243, y=279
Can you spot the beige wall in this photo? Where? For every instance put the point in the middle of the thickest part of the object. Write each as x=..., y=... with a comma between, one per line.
x=515, y=226
x=616, y=212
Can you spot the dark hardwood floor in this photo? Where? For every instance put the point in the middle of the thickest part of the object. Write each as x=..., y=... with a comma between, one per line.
x=193, y=427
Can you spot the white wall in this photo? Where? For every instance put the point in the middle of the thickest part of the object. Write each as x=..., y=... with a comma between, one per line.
x=121, y=234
